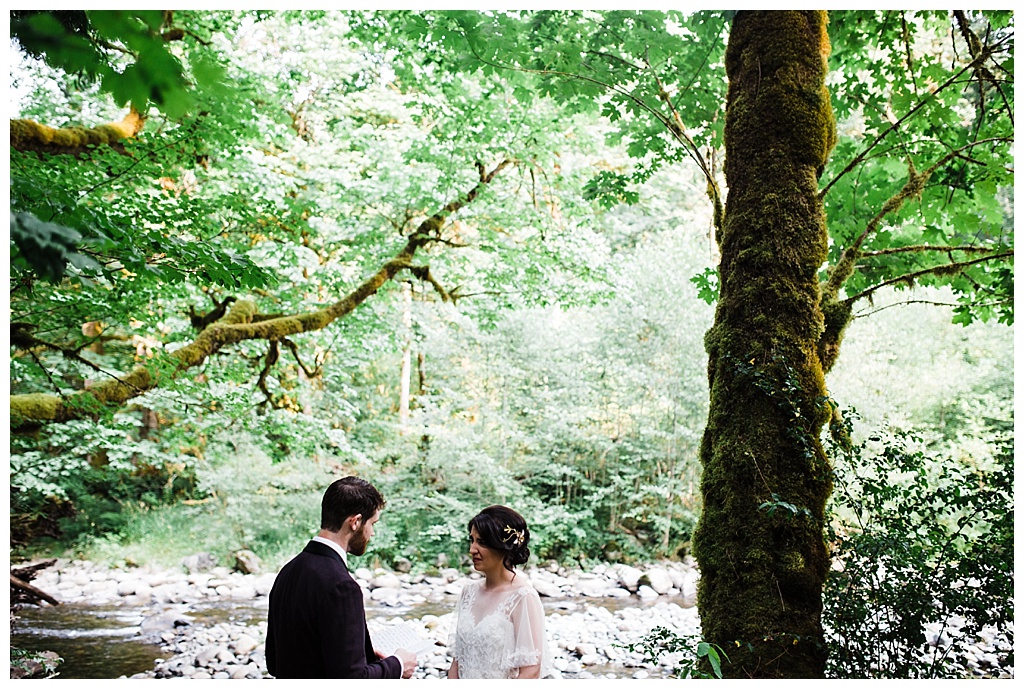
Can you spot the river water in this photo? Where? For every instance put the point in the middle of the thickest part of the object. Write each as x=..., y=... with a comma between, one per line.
x=105, y=641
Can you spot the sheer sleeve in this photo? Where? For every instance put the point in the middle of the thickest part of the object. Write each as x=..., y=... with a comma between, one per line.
x=529, y=645
x=454, y=640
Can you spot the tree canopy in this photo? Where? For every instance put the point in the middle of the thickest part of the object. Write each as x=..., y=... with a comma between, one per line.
x=222, y=216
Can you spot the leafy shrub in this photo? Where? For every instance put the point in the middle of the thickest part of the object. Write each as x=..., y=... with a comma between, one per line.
x=34, y=664
x=86, y=482
x=691, y=657
x=922, y=552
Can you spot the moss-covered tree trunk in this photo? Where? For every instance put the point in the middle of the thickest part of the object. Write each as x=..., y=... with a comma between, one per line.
x=766, y=479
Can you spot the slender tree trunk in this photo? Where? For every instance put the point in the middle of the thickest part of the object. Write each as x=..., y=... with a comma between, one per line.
x=406, y=382
x=765, y=479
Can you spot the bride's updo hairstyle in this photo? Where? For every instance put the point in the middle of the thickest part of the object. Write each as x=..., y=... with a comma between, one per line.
x=504, y=530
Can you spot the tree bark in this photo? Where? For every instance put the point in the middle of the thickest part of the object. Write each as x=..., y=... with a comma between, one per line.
x=406, y=375
x=766, y=479
x=32, y=591
x=28, y=135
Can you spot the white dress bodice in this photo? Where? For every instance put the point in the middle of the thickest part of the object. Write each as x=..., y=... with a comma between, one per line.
x=496, y=633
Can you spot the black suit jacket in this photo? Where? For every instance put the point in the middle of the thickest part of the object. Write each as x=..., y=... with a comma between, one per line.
x=316, y=625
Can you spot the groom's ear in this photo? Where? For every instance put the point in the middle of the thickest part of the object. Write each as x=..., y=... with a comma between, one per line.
x=355, y=521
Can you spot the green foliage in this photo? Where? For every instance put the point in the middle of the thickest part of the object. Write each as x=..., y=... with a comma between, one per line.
x=95, y=44
x=691, y=657
x=923, y=559
x=567, y=379
x=889, y=66
x=787, y=509
x=45, y=248
x=35, y=662
x=610, y=189
x=707, y=285
x=85, y=479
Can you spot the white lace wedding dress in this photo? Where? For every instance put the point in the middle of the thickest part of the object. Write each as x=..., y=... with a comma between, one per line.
x=495, y=634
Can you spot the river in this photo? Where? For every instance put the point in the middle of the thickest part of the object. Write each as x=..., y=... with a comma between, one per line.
x=105, y=641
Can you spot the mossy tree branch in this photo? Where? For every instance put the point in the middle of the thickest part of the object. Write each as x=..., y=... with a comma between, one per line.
x=837, y=312
x=952, y=268
x=28, y=135
x=240, y=323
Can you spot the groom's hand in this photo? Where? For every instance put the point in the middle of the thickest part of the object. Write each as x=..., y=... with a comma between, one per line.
x=408, y=662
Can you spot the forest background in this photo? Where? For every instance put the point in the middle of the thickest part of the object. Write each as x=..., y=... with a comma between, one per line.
x=474, y=284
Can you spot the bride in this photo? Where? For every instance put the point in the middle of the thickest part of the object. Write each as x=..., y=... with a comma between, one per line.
x=498, y=630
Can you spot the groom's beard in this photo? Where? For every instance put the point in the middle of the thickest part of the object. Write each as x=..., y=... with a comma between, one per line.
x=357, y=544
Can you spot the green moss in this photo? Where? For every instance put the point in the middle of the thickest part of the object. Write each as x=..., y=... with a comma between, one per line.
x=761, y=572
x=35, y=406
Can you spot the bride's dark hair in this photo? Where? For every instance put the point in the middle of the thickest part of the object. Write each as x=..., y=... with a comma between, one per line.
x=503, y=529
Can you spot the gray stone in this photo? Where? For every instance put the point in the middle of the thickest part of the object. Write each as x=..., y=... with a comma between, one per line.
x=248, y=562
x=629, y=577
x=207, y=655
x=455, y=588
x=264, y=583
x=243, y=593
x=200, y=562
x=594, y=588
x=244, y=645
x=127, y=587
x=164, y=621
x=388, y=596
x=658, y=579
x=386, y=580
x=546, y=588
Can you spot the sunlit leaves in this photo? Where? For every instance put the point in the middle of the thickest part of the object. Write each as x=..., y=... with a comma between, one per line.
x=96, y=43
x=707, y=285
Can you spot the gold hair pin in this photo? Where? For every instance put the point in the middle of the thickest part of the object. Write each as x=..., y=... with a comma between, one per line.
x=519, y=536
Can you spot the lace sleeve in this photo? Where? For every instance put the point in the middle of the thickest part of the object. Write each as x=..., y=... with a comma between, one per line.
x=454, y=641
x=529, y=645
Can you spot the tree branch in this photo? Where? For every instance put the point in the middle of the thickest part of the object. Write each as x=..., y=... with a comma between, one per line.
x=310, y=373
x=909, y=278
x=839, y=273
x=929, y=302
x=972, y=65
x=921, y=248
x=673, y=124
x=273, y=353
x=28, y=135
x=237, y=325
x=423, y=273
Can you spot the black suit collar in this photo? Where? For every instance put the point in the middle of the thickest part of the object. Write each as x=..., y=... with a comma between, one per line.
x=317, y=548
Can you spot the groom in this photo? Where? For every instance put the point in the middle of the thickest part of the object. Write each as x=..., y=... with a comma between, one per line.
x=316, y=626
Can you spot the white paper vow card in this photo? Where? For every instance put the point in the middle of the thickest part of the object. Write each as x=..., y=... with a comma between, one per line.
x=394, y=636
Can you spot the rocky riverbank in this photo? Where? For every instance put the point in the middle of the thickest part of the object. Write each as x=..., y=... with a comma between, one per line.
x=592, y=616
x=587, y=639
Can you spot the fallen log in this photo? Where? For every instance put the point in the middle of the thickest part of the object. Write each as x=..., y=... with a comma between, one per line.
x=25, y=587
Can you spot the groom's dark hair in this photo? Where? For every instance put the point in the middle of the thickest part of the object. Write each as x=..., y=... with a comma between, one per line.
x=504, y=530
x=348, y=496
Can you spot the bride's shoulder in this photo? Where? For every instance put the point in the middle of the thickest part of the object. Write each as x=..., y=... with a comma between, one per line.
x=523, y=586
